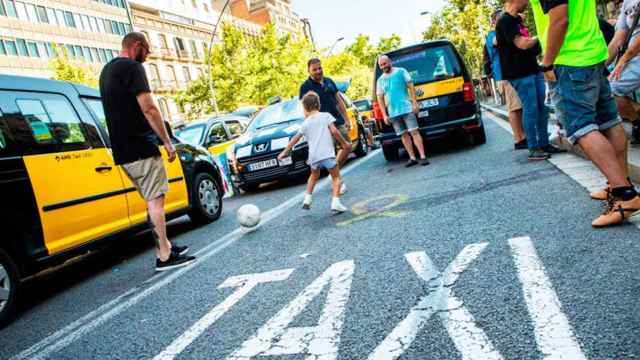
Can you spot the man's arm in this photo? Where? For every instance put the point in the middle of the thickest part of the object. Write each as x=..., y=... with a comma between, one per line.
x=153, y=116
x=631, y=52
x=342, y=108
x=412, y=93
x=558, y=24
x=615, y=44
x=383, y=109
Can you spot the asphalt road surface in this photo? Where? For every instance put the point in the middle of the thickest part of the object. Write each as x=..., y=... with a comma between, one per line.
x=481, y=255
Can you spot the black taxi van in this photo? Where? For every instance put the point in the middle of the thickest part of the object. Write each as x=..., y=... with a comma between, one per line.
x=444, y=90
x=61, y=192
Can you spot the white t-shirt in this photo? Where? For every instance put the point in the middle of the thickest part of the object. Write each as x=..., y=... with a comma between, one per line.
x=315, y=129
x=627, y=14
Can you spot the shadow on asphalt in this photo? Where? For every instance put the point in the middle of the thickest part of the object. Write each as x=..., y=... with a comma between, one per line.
x=51, y=282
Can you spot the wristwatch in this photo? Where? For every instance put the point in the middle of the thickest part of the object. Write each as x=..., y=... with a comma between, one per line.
x=547, y=68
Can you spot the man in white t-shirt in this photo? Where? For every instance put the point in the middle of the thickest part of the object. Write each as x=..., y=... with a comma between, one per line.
x=319, y=129
x=397, y=99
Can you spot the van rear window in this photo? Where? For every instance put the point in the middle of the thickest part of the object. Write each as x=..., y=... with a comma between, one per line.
x=428, y=64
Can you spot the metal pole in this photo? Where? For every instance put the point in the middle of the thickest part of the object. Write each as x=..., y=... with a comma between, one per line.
x=214, y=103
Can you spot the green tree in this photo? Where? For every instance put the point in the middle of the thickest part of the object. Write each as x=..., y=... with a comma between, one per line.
x=387, y=44
x=69, y=70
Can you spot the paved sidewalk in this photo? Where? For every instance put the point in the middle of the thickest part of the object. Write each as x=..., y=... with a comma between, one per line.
x=559, y=140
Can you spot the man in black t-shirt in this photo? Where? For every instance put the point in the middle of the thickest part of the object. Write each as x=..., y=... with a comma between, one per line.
x=331, y=102
x=518, y=56
x=135, y=129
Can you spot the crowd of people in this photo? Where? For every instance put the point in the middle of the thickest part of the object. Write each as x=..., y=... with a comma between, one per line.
x=592, y=73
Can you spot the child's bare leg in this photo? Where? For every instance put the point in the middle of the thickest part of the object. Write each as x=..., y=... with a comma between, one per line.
x=337, y=180
x=313, y=179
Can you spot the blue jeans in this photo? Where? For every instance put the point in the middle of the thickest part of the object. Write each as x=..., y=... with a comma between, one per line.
x=583, y=100
x=535, y=116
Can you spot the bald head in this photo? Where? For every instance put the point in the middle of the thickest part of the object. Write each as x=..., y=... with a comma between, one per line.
x=135, y=46
x=385, y=64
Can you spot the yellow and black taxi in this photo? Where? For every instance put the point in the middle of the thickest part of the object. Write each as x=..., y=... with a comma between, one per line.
x=61, y=192
x=445, y=94
x=253, y=156
x=216, y=134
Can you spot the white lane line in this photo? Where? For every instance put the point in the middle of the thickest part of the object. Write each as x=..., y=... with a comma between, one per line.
x=554, y=335
x=318, y=342
x=469, y=339
x=244, y=283
x=76, y=330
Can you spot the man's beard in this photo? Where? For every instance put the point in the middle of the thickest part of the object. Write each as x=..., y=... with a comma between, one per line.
x=139, y=57
x=386, y=70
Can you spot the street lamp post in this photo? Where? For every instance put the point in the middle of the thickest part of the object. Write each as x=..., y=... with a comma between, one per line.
x=334, y=45
x=214, y=103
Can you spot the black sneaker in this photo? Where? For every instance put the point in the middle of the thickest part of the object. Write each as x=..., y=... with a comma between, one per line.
x=180, y=250
x=174, y=261
x=538, y=154
x=520, y=145
x=554, y=150
x=411, y=163
x=424, y=162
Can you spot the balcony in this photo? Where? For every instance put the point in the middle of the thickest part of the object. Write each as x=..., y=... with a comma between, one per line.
x=163, y=53
x=184, y=55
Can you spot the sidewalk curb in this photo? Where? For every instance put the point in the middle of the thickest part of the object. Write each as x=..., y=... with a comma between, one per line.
x=562, y=142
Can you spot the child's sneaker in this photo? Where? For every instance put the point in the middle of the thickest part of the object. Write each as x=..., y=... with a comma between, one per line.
x=337, y=207
x=343, y=188
x=306, y=203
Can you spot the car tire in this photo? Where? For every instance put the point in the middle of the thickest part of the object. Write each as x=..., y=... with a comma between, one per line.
x=9, y=287
x=478, y=137
x=363, y=148
x=390, y=152
x=207, y=199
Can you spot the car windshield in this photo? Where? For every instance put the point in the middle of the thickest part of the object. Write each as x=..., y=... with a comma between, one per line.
x=191, y=134
x=290, y=110
x=362, y=105
x=427, y=64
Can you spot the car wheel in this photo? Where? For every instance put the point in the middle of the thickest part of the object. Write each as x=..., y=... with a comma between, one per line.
x=9, y=287
x=478, y=137
x=390, y=152
x=362, y=149
x=207, y=199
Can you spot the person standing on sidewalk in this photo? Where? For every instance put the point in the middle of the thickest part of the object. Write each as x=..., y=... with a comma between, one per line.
x=574, y=65
x=625, y=77
x=397, y=98
x=330, y=102
x=518, y=56
x=514, y=107
x=134, y=124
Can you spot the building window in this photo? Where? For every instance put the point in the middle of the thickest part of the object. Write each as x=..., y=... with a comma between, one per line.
x=33, y=49
x=172, y=75
x=22, y=10
x=187, y=73
x=11, y=8
x=164, y=109
x=22, y=47
x=68, y=19
x=94, y=54
x=11, y=46
x=206, y=8
x=179, y=44
x=163, y=41
x=3, y=11
x=3, y=49
x=33, y=14
x=51, y=16
x=194, y=49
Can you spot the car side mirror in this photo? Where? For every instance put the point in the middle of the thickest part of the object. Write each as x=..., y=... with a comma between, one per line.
x=214, y=139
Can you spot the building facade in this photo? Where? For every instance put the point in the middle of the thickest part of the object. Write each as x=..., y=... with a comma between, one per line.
x=276, y=12
x=30, y=30
x=179, y=32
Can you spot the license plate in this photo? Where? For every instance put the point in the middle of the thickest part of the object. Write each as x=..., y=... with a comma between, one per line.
x=429, y=103
x=263, y=165
x=423, y=113
x=286, y=161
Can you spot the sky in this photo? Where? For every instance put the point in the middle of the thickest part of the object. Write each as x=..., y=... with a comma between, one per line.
x=332, y=19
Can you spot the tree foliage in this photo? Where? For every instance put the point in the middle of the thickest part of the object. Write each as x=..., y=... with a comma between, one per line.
x=69, y=70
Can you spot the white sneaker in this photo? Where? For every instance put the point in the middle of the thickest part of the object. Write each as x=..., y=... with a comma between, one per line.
x=306, y=203
x=343, y=188
x=337, y=207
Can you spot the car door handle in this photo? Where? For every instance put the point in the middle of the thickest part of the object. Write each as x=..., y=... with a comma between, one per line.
x=103, y=168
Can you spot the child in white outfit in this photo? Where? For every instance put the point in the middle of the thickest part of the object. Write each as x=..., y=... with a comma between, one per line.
x=319, y=130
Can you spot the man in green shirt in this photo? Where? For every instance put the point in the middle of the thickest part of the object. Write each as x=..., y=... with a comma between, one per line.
x=574, y=66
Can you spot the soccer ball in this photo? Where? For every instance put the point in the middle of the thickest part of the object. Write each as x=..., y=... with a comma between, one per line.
x=248, y=216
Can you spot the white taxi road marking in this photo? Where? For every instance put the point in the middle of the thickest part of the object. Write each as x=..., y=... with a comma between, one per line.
x=469, y=339
x=319, y=342
x=79, y=328
x=554, y=335
x=244, y=283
